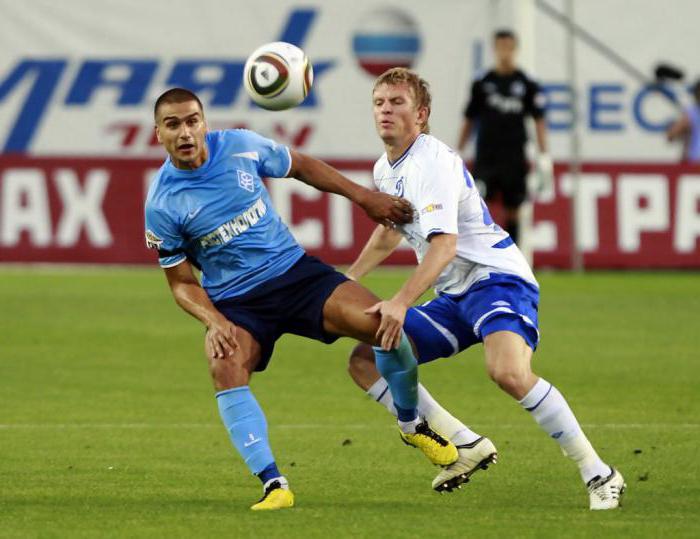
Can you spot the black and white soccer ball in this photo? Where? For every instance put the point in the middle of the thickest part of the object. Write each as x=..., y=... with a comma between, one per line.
x=278, y=76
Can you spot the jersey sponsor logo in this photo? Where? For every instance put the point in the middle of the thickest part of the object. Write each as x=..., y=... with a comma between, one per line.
x=431, y=208
x=245, y=180
x=505, y=105
x=153, y=241
x=236, y=226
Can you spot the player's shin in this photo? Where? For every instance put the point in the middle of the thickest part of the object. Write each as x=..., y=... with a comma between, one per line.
x=400, y=369
x=551, y=412
x=247, y=427
x=437, y=417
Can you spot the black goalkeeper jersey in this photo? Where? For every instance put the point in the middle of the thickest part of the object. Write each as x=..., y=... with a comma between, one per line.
x=500, y=103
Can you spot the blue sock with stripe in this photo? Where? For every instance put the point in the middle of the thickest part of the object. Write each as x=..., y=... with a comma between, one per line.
x=400, y=369
x=247, y=427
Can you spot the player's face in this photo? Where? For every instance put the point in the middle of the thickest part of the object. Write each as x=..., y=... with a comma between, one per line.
x=504, y=50
x=396, y=117
x=180, y=128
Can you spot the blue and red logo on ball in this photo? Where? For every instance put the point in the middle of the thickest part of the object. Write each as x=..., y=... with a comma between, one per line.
x=386, y=38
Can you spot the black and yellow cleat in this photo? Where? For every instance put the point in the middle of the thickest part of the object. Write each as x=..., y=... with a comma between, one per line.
x=439, y=450
x=275, y=497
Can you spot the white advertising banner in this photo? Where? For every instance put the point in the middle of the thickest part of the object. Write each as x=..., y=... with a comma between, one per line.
x=79, y=77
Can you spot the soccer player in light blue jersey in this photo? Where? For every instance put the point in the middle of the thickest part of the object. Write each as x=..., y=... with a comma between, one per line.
x=208, y=208
x=486, y=291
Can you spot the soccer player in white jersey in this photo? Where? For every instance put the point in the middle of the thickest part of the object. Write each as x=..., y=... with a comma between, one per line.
x=486, y=292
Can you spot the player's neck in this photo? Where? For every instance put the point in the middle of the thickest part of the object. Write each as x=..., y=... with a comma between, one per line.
x=394, y=150
x=505, y=69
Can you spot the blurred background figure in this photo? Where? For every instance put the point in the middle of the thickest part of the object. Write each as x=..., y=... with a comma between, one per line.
x=687, y=129
x=499, y=104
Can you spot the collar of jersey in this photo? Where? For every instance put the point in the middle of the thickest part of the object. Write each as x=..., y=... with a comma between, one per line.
x=199, y=171
x=404, y=154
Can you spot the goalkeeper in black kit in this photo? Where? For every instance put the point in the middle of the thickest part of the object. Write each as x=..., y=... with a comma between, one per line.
x=499, y=103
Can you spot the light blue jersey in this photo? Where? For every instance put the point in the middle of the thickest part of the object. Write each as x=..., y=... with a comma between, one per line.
x=220, y=217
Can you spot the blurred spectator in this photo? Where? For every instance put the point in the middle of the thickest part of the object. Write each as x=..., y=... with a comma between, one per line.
x=500, y=102
x=687, y=129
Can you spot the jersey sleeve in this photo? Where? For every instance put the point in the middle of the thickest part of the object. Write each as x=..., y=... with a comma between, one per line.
x=163, y=236
x=535, y=100
x=476, y=101
x=438, y=200
x=274, y=160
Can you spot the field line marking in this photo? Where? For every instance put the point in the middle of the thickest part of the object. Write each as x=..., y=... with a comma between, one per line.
x=316, y=426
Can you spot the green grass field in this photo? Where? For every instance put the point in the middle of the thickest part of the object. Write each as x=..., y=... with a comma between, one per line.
x=108, y=426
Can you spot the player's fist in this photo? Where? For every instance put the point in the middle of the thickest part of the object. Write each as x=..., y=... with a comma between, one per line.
x=386, y=209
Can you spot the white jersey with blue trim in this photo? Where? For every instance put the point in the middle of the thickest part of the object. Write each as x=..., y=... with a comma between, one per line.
x=433, y=178
x=220, y=216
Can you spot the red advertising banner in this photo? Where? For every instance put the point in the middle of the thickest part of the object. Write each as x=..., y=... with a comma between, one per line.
x=90, y=210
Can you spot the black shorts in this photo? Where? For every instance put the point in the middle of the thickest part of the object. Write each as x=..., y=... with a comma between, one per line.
x=290, y=303
x=507, y=177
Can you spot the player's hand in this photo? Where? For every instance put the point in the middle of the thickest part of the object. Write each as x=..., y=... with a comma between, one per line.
x=393, y=314
x=545, y=173
x=220, y=340
x=387, y=209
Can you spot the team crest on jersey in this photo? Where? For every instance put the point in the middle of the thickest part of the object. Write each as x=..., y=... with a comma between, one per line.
x=153, y=241
x=399, y=187
x=245, y=180
x=517, y=88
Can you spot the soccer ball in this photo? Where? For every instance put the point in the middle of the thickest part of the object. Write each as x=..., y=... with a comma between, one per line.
x=278, y=76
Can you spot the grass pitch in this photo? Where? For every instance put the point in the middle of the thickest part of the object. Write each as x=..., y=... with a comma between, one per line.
x=108, y=426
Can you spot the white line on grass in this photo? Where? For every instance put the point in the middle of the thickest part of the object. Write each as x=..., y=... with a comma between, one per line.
x=312, y=426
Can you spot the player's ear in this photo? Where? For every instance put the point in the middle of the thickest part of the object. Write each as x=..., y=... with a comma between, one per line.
x=157, y=130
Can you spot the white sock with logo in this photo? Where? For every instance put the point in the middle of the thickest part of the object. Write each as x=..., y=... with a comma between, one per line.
x=551, y=412
x=439, y=419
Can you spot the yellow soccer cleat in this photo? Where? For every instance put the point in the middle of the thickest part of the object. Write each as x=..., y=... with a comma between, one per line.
x=275, y=497
x=438, y=450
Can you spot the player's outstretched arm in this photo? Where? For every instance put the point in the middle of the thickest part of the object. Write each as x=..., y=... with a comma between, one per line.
x=381, y=244
x=380, y=207
x=442, y=250
x=193, y=299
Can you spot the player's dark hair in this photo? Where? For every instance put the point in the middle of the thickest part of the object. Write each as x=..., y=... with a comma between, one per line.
x=419, y=86
x=504, y=33
x=176, y=95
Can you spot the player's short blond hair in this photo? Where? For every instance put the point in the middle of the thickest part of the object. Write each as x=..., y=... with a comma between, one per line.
x=419, y=87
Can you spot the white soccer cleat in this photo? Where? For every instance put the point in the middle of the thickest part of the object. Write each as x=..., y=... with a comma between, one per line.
x=606, y=492
x=472, y=457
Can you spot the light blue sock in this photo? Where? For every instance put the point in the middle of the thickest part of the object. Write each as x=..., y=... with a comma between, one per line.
x=246, y=424
x=400, y=369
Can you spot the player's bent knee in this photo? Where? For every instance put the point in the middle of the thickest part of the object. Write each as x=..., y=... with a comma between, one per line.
x=361, y=366
x=510, y=378
x=228, y=372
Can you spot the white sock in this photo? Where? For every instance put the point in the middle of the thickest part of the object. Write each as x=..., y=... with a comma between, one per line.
x=437, y=417
x=282, y=480
x=551, y=412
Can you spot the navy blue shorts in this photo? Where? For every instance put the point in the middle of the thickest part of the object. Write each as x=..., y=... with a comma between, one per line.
x=290, y=303
x=447, y=325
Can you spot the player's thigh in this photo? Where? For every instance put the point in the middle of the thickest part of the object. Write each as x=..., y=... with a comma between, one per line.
x=235, y=370
x=344, y=312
